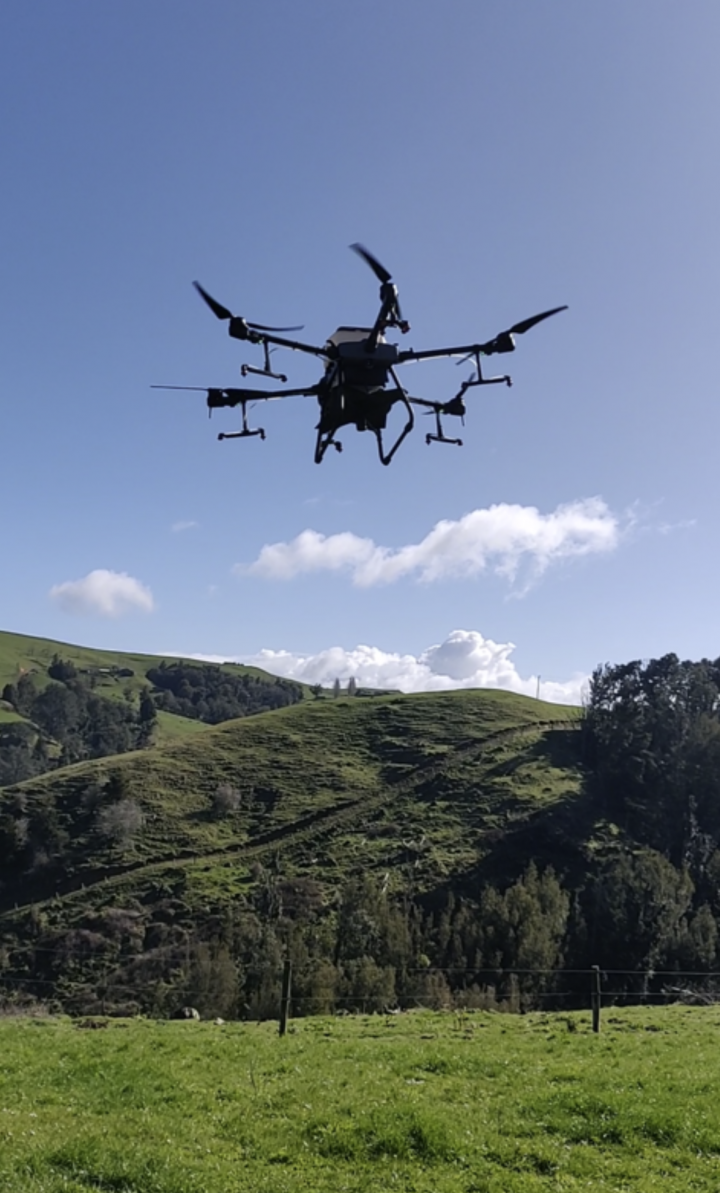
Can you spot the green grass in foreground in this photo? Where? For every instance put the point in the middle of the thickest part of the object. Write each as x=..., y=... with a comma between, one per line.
x=420, y=1102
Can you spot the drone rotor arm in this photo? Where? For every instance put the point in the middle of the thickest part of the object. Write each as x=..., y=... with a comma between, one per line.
x=503, y=342
x=455, y=406
x=280, y=342
x=438, y=353
x=233, y=396
x=423, y=402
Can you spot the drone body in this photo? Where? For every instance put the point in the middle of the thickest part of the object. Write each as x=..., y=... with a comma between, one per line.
x=360, y=384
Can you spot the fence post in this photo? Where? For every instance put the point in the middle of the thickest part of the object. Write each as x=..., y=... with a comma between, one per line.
x=595, y=998
x=285, y=995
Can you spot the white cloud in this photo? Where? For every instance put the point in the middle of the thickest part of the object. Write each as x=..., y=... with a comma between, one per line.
x=465, y=659
x=672, y=527
x=178, y=527
x=502, y=538
x=104, y=593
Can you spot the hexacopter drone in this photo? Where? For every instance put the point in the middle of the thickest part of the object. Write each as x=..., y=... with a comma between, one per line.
x=360, y=384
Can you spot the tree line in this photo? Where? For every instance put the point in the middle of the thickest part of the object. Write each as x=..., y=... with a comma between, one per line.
x=205, y=692
x=68, y=720
x=363, y=949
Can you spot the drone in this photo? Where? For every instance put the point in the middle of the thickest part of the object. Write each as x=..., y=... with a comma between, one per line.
x=360, y=384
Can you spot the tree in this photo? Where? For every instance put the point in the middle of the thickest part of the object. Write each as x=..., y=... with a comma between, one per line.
x=147, y=717
x=21, y=694
x=654, y=746
x=226, y=800
x=524, y=928
x=212, y=983
x=62, y=669
x=352, y=686
x=336, y=689
x=636, y=909
x=213, y=694
x=119, y=822
x=117, y=787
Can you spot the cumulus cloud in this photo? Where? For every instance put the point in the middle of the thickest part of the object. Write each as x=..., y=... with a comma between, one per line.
x=103, y=593
x=465, y=659
x=502, y=539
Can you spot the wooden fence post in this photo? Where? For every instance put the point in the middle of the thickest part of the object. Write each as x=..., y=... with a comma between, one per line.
x=285, y=995
x=595, y=998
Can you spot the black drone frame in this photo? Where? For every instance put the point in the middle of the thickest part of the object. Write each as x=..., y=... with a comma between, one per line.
x=368, y=403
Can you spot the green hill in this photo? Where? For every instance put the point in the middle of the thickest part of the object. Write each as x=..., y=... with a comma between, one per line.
x=63, y=703
x=273, y=815
x=22, y=652
x=116, y=674
x=375, y=778
x=463, y=846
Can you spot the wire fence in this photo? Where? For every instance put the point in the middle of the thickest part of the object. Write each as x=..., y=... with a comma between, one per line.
x=276, y=994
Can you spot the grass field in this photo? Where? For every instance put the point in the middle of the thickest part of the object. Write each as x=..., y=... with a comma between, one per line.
x=421, y=1102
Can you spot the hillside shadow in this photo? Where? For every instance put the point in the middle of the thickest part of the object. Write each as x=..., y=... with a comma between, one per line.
x=554, y=835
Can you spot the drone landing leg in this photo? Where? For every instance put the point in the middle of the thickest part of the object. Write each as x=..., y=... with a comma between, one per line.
x=385, y=459
x=480, y=380
x=241, y=434
x=266, y=371
x=323, y=442
x=246, y=432
x=439, y=436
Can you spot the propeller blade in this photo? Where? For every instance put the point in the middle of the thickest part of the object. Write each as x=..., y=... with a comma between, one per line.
x=264, y=327
x=520, y=328
x=217, y=309
x=379, y=270
x=223, y=313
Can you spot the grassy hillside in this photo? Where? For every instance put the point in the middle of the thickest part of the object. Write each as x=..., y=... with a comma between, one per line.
x=419, y=787
x=183, y=873
x=22, y=654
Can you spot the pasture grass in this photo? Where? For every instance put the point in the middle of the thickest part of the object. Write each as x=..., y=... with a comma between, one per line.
x=420, y=1102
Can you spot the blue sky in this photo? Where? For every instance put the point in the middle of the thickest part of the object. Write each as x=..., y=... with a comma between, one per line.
x=500, y=157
